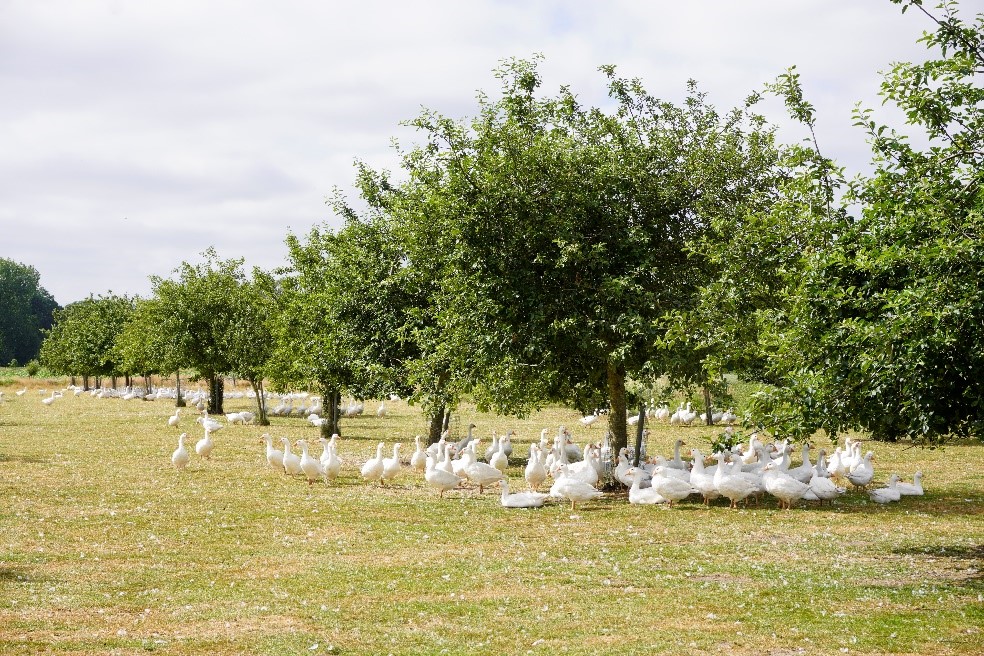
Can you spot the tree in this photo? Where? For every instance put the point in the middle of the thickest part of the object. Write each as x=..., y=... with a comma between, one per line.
x=197, y=313
x=143, y=348
x=26, y=309
x=885, y=331
x=81, y=341
x=568, y=232
x=344, y=304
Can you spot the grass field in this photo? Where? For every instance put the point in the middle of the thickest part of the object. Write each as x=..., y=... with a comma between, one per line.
x=106, y=549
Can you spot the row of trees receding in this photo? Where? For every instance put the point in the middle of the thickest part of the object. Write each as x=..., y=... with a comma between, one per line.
x=545, y=251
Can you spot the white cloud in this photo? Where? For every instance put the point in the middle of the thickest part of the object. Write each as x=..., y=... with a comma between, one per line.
x=137, y=134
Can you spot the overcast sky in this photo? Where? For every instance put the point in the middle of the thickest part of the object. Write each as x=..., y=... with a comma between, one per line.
x=136, y=134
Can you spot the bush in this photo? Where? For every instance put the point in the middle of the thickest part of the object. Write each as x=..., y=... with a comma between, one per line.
x=33, y=367
x=13, y=363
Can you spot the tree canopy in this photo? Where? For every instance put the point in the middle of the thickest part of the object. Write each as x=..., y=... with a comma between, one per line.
x=26, y=310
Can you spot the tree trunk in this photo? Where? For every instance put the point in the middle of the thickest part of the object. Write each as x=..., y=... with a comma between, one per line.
x=708, y=411
x=640, y=429
x=261, y=419
x=179, y=401
x=85, y=383
x=216, y=390
x=331, y=400
x=112, y=379
x=436, y=425
x=616, y=397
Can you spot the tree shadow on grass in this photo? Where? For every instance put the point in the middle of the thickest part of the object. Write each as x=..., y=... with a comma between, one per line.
x=973, y=552
x=30, y=459
x=16, y=575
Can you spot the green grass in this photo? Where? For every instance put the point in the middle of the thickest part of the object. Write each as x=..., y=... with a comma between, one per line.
x=107, y=549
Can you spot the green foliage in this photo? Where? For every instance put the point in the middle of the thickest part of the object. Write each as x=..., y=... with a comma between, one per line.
x=210, y=319
x=26, y=309
x=81, y=341
x=560, y=236
x=885, y=327
x=32, y=368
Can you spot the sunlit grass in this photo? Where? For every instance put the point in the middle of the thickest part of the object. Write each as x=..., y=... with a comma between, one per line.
x=107, y=549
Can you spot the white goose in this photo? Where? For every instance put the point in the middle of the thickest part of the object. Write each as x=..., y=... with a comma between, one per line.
x=482, y=474
x=274, y=457
x=731, y=484
x=372, y=470
x=499, y=460
x=589, y=420
x=332, y=463
x=418, y=460
x=292, y=461
x=173, y=419
x=310, y=466
x=701, y=479
x=209, y=424
x=391, y=466
x=204, y=446
x=574, y=490
x=671, y=488
x=822, y=489
x=180, y=457
x=783, y=487
x=521, y=499
x=639, y=495
x=804, y=472
x=861, y=474
x=914, y=488
x=535, y=472
x=439, y=478
x=886, y=494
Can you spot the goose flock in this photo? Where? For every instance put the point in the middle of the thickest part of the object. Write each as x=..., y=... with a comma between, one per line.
x=577, y=474
x=747, y=473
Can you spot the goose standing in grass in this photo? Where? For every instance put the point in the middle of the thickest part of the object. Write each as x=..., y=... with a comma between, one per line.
x=493, y=448
x=373, y=467
x=804, y=472
x=589, y=420
x=731, y=484
x=670, y=487
x=482, y=474
x=51, y=399
x=274, y=456
x=204, y=446
x=310, y=466
x=862, y=473
x=209, y=424
x=782, y=486
x=823, y=489
x=330, y=461
x=173, y=419
x=499, y=459
x=886, y=494
x=180, y=457
x=701, y=479
x=439, y=478
x=521, y=499
x=391, y=466
x=381, y=410
x=292, y=461
x=418, y=460
x=21, y=392
x=535, y=472
x=573, y=490
x=639, y=495
x=914, y=488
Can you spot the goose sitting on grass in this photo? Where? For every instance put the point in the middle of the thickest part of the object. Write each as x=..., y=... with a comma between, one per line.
x=521, y=499
x=914, y=488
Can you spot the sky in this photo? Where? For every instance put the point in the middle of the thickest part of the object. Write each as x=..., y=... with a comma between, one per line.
x=135, y=135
